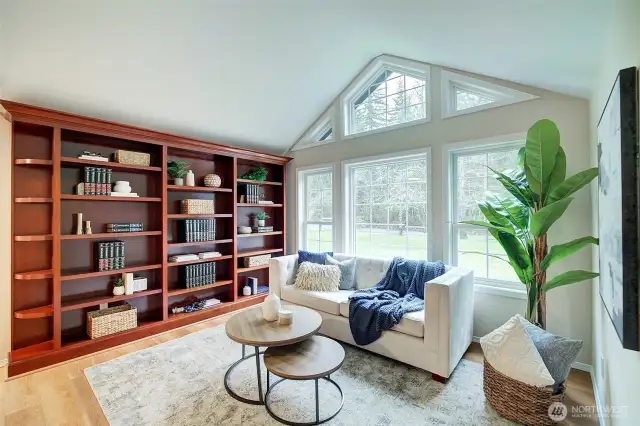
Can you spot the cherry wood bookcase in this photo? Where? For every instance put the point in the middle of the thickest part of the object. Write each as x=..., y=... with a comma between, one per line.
x=53, y=280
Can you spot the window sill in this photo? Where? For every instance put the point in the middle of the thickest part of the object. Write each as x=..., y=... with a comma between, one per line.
x=500, y=291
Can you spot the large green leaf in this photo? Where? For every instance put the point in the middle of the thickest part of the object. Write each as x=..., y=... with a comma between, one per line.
x=572, y=184
x=487, y=225
x=543, y=142
x=568, y=278
x=542, y=220
x=493, y=216
x=561, y=251
x=519, y=258
x=534, y=184
x=559, y=172
x=521, y=152
x=513, y=210
x=515, y=182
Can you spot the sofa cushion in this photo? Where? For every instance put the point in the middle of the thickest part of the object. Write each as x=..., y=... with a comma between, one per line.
x=312, y=276
x=411, y=323
x=347, y=271
x=313, y=257
x=325, y=301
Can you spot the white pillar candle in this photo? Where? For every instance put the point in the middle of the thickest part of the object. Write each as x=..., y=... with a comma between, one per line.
x=285, y=316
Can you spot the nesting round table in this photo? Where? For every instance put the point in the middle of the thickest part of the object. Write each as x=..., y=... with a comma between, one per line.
x=293, y=353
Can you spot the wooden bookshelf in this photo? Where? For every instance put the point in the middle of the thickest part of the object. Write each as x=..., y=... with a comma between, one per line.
x=54, y=280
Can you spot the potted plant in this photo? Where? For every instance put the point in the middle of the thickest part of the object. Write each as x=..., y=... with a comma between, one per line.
x=260, y=218
x=118, y=287
x=541, y=194
x=177, y=170
x=259, y=174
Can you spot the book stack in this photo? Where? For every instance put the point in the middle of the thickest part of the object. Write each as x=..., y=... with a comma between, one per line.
x=196, y=230
x=196, y=306
x=198, y=275
x=209, y=254
x=183, y=257
x=251, y=193
x=125, y=227
x=97, y=181
x=108, y=255
x=93, y=157
x=259, y=229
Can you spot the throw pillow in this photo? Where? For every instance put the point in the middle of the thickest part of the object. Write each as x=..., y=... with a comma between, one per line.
x=557, y=352
x=509, y=350
x=312, y=276
x=347, y=271
x=309, y=256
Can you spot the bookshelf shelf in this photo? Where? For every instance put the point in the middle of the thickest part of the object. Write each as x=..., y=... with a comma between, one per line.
x=31, y=351
x=79, y=162
x=110, y=198
x=197, y=188
x=86, y=302
x=32, y=162
x=199, y=243
x=258, y=205
x=117, y=235
x=197, y=216
x=257, y=252
x=33, y=200
x=68, y=276
x=252, y=268
x=34, y=275
x=257, y=182
x=43, y=237
x=180, y=291
x=39, y=312
x=259, y=234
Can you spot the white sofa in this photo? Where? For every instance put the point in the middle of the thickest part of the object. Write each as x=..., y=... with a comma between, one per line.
x=433, y=339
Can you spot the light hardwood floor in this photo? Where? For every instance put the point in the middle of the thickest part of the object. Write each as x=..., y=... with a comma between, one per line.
x=61, y=395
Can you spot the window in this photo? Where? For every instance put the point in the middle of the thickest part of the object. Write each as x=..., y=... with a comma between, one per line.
x=465, y=98
x=473, y=247
x=315, y=209
x=388, y=206
x=320, y=133
x=325, y=134
x=462, y=94
x=391, y=92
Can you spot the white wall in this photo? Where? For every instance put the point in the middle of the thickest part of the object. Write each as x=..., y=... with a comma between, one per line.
x=616, y=370
x=569, y=308
x=5, y=238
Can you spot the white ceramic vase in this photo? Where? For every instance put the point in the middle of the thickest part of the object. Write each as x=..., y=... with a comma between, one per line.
x=191, y=179
x=270, y=307
x=246, y=290
x=118, y=290
x=178, y=181
x=260, y=222
x=122, y=186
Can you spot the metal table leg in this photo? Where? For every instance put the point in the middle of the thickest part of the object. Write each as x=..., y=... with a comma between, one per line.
x=227, y=378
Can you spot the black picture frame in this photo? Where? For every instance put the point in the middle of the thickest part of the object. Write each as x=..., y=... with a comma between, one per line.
x=618, y=191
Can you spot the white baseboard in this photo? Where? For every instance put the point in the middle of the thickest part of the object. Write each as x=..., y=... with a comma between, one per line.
x=4, y=362
x=582, y=367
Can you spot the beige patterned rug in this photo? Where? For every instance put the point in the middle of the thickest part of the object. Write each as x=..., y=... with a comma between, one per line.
x=181, y=382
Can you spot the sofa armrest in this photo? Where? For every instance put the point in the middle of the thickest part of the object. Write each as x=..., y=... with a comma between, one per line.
x=448, y=326
x=282, y=271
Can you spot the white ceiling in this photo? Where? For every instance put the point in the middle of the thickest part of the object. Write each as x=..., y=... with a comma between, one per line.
x=257, y=73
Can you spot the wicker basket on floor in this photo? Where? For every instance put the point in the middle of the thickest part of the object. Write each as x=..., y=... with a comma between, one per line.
x=518, y=401
x=111, y=320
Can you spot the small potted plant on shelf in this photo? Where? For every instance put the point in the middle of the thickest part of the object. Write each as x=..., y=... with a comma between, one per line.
x=118, y=287
x=177, y=170
x=259, y=174
x=260, y=218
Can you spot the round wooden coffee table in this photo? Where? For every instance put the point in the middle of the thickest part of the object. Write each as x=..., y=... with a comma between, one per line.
x=249, y=328
x=312, y=359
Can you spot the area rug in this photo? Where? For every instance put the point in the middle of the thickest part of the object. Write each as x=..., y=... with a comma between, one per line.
x=181, y=382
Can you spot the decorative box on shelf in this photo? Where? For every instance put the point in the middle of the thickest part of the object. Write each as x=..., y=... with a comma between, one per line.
x=129, y=157
x=111, y=320
x=191, y=206
x=260, y=260
x=139, y=283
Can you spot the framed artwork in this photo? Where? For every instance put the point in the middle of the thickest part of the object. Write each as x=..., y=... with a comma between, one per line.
x=618, y=207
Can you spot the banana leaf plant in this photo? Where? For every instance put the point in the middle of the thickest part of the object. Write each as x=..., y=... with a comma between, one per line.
x=541, y=194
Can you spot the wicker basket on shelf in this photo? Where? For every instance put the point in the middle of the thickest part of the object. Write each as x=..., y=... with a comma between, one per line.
x=111, y=320
x=129, y=157
x=519, y=401
x=260, y=260
x=196, y=206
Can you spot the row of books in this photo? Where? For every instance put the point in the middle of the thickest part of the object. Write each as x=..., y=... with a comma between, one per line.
x=251, y=191
x=108, y=255
x=196, y=306
x=125, y=227
x=196, y=230
x=198, y=275
x=97, y=181
x=258, y=229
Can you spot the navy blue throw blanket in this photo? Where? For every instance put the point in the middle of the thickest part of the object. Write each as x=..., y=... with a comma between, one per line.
x=381, y=307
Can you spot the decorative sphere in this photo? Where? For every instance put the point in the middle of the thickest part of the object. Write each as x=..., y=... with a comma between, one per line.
x=212, y=180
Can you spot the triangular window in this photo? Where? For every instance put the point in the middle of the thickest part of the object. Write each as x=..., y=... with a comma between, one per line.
x=325, y=134
x=462, y=94
x=465, y=98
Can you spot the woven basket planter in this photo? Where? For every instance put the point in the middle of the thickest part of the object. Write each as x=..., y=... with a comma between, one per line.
x=111, y=320
x=196, y=206
x=260, y=260
x=519, y=401
x=129, y=157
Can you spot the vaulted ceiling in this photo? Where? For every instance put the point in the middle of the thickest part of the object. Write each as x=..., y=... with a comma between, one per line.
x=257, y=73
